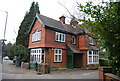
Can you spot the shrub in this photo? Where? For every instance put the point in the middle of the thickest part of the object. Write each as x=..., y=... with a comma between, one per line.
x=103, y=62
x=20, y=51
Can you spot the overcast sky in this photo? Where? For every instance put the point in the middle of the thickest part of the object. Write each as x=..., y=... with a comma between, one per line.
x=17, y=8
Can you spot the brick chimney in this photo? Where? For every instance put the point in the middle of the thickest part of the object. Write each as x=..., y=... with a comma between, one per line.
x=62, y=19
x=74, y=22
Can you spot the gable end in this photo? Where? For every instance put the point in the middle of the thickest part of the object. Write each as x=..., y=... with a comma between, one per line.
x=31, y=26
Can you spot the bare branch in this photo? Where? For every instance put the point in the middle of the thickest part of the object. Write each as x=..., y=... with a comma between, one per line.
x=66, y=8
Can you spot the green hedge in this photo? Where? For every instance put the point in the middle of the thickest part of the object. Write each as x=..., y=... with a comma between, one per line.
x=103, y=62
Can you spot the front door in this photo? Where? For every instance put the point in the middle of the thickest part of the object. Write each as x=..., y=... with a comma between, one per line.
x=77, y=60
x=70, y=61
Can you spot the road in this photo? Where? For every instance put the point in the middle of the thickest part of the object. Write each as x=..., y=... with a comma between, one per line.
x=10, y=71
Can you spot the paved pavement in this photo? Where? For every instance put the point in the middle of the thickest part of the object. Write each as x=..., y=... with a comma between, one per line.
x=0, y=71
x=10, y=71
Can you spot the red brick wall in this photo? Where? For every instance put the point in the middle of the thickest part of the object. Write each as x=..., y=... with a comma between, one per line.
x=40, y=43
x=50, y=40
x=103, y=77
x=50, y=59
x=83, y=42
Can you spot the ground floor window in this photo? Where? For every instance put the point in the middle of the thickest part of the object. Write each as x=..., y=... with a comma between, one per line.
x=37, y=55
x=93, y=57
x=57, y=55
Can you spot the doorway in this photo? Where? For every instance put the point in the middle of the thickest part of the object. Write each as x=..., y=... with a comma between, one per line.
x=78, y=60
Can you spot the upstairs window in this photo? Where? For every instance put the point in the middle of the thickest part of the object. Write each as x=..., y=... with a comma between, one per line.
x=36, y=36
x=91, y=41
x=74, y=40
x=60, y=37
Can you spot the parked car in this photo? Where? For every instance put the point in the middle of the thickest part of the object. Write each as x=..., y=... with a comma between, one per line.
x=14, y=59
x=6, y=58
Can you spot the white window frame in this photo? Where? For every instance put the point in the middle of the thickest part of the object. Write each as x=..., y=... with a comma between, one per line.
x=91, y=41
x=36, y=36
x=73, y=39
x=94, y=55
x=60, y=37
x=36, y=55
x=57, y=54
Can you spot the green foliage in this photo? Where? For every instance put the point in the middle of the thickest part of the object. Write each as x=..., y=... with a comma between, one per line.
x=23, y=35
x=103, y=62
x=104, y=20
x=20, y=51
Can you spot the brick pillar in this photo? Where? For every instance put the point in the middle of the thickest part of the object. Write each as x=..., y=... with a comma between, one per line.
x=102, y=71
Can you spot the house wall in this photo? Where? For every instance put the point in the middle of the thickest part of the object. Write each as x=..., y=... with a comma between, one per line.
x=83, y=42
x=50, y=40
x=50, y=58
x=40, y=43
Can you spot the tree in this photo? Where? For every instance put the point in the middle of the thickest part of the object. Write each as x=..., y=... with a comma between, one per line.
x=104, y=20
x=20, y=51
x=23, y=36
x=8, y=47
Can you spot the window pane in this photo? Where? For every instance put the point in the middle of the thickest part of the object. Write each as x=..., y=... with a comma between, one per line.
x=56, y=51
x=42, y=57
x=56, y=36
x=60, y=51
x=56, y=58
x=39, y=58
x=59, y=57
x=73, y=40
x=39, y=51
x=63, y=38
x=90, y=52
x=94, y=59
x=90, y=58
x=60, y=37
x=42, y=51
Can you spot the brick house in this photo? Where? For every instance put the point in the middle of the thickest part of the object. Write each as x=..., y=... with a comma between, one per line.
x=61, y=45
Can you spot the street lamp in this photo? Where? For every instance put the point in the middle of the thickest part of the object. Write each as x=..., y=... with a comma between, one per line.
x=5, y=22
x=2, y=40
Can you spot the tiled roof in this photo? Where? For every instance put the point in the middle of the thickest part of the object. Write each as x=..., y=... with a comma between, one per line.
x=74, y=48
x=54, y=24
x=93, y=48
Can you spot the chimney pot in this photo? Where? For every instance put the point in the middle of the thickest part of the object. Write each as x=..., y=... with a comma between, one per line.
x=62, y=19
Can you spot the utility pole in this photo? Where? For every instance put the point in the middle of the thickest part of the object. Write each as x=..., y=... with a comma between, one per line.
x=5, y=23
x=2, y=40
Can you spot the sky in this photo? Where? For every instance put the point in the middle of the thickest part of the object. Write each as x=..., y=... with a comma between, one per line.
x=17, y=8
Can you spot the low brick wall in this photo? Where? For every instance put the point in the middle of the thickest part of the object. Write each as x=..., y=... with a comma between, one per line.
x=43, y=68
x=26, y=65
x=111, y=77
x=102, y=71
x=105, y=74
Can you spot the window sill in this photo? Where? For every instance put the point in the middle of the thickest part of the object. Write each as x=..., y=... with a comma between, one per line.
x=92, y=44
x=58, y=62
x=93, y=63
x=60, y=41
x=74, y=43
x=36, y=41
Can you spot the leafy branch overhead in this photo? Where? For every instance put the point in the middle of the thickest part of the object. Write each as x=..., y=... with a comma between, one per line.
x=104, y=20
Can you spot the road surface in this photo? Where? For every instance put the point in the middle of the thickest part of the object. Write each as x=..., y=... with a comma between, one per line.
x=10, y=71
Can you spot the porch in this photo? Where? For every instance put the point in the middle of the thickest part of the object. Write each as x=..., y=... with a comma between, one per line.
x=74, y=57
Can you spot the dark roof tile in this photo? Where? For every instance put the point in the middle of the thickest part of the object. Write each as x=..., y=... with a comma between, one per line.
x=58, y=25
x=74, y=48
